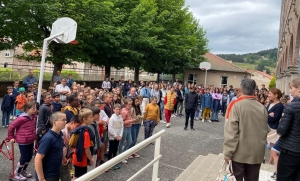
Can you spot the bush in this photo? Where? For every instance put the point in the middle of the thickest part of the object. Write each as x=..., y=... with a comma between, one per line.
x=75, y=75
x=8, y=74
x=272, y=83
x=36, y=73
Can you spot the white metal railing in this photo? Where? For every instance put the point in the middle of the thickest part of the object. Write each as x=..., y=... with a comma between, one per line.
x=155, y=162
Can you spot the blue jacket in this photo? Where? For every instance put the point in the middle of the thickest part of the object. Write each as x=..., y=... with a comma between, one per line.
x=56, y=106
x=206, y=101
x=216, y=105
x=79, y=146
x=146, y=93
x=70, y=82
x=28, y=80
x=8, y=103
x=277, y=109
x=15, y=91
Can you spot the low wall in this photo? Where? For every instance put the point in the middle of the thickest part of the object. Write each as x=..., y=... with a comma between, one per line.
x=46, y=85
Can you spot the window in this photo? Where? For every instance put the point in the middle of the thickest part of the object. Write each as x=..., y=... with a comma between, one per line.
x=98, y=70
x=30, y=65
x=7, y=54
x=20, y=65
x=192, y=79
x=224, y=80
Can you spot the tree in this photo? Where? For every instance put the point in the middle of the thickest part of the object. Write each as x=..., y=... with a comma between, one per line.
x=272, y=83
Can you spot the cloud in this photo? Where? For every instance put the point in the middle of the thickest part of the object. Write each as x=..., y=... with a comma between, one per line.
x=238, y=26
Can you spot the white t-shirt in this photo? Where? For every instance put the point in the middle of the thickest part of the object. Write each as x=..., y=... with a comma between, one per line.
x=106, y=85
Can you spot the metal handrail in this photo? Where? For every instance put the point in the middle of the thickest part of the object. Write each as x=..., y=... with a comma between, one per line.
x=107, y=165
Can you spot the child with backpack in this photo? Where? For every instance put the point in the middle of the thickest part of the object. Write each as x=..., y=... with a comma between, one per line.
x=67, y=151
x=82, y=141
x=23, y=131
x=94, y=128
x=20, y=101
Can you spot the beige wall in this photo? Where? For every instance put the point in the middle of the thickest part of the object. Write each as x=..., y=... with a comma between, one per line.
x=215, y=77
x=4, y=59
x=260, y=79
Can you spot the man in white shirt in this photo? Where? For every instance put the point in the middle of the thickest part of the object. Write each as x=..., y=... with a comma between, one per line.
x=64, y=90
x=106, y=84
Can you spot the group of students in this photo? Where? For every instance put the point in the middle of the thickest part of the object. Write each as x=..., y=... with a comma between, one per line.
x=77, y=133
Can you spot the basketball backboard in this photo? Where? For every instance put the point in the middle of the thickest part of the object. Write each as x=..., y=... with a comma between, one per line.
x=66, y=25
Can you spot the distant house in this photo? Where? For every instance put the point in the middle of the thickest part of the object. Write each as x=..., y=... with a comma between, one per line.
x=261, y=77
x=222, y=73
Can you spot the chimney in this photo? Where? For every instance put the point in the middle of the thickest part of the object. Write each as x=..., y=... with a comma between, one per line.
x=264, y=71
x=272, y=74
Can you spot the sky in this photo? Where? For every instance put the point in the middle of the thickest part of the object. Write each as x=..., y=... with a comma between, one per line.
x=238, y=26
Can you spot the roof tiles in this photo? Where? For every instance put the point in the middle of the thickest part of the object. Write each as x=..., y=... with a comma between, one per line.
x=218, y=63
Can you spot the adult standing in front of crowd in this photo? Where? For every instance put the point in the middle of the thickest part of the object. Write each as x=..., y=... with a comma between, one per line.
x=245, y=132
x=275, y=109
x=289, y=141
x=63, y=90
x=191, y=103
x=146, y=94
x=29, y=80
x=180, y=98
x=106, y=84
x=57, y=78
x=170, y=101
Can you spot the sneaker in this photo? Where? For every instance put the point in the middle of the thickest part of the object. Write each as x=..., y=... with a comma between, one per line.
x=274, y=175
x=130, y=157
x=19, y=177
x=192, y=129
x=135, y=155
x=118, y=166
x=168, y=125
x=209, y=120
x=3, y=126
x=6, y=126
x=124, y=161
x=11, y=117
x=185, y=128
x=203, y=120
x=14, y=117
x=114, y=168
x=162, y=121
x=26, y=174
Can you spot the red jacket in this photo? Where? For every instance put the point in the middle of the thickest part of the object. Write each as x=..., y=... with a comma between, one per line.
x=23, y=129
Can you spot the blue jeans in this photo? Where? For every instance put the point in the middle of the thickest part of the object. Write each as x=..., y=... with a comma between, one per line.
x=5, y=117
x=13, y=112
x=125, y=139
x=198, y=111
x=135, y=129
x=162, y=104
x=214, y=115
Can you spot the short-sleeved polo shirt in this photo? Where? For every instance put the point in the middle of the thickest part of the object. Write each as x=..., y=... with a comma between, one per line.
x=51, y=145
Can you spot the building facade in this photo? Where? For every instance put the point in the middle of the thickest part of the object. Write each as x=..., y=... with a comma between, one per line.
x=289, y=44
x=222, y=73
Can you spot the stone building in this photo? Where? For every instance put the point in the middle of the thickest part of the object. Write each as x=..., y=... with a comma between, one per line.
x=261, y=77
x=289, y=44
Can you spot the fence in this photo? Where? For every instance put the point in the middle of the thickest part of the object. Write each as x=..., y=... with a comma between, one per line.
x=11, y=72
x=155, y=162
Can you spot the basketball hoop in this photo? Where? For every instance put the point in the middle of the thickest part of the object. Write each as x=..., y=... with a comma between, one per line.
x=203, y=68
x=74, y=42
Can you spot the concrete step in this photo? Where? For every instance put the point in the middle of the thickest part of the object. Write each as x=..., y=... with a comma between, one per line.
x=213, y=171
x=185, y=174
x=202, y=168
x=265, y=175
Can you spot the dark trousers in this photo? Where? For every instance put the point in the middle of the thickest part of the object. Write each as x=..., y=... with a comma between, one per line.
x=159, y=112
x=113, y=148
x=175, y=108
x=288, y=167
x=149, y=127
x=189, y=113
x=5, y=118
x=245, y=172
x=26, y=152
x=224, y=108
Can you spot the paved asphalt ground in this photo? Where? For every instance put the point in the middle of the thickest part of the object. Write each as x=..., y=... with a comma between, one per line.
x=179, y=148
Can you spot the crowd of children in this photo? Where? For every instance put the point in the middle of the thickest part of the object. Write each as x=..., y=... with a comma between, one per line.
x=90, y=119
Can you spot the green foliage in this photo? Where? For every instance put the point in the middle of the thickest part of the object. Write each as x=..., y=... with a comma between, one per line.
x=75, y=75
x=272, y=83
x=261, y=67
x=156, y=35
x=7, y=74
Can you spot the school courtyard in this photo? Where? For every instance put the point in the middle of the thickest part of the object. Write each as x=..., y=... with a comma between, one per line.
x=179, y=149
